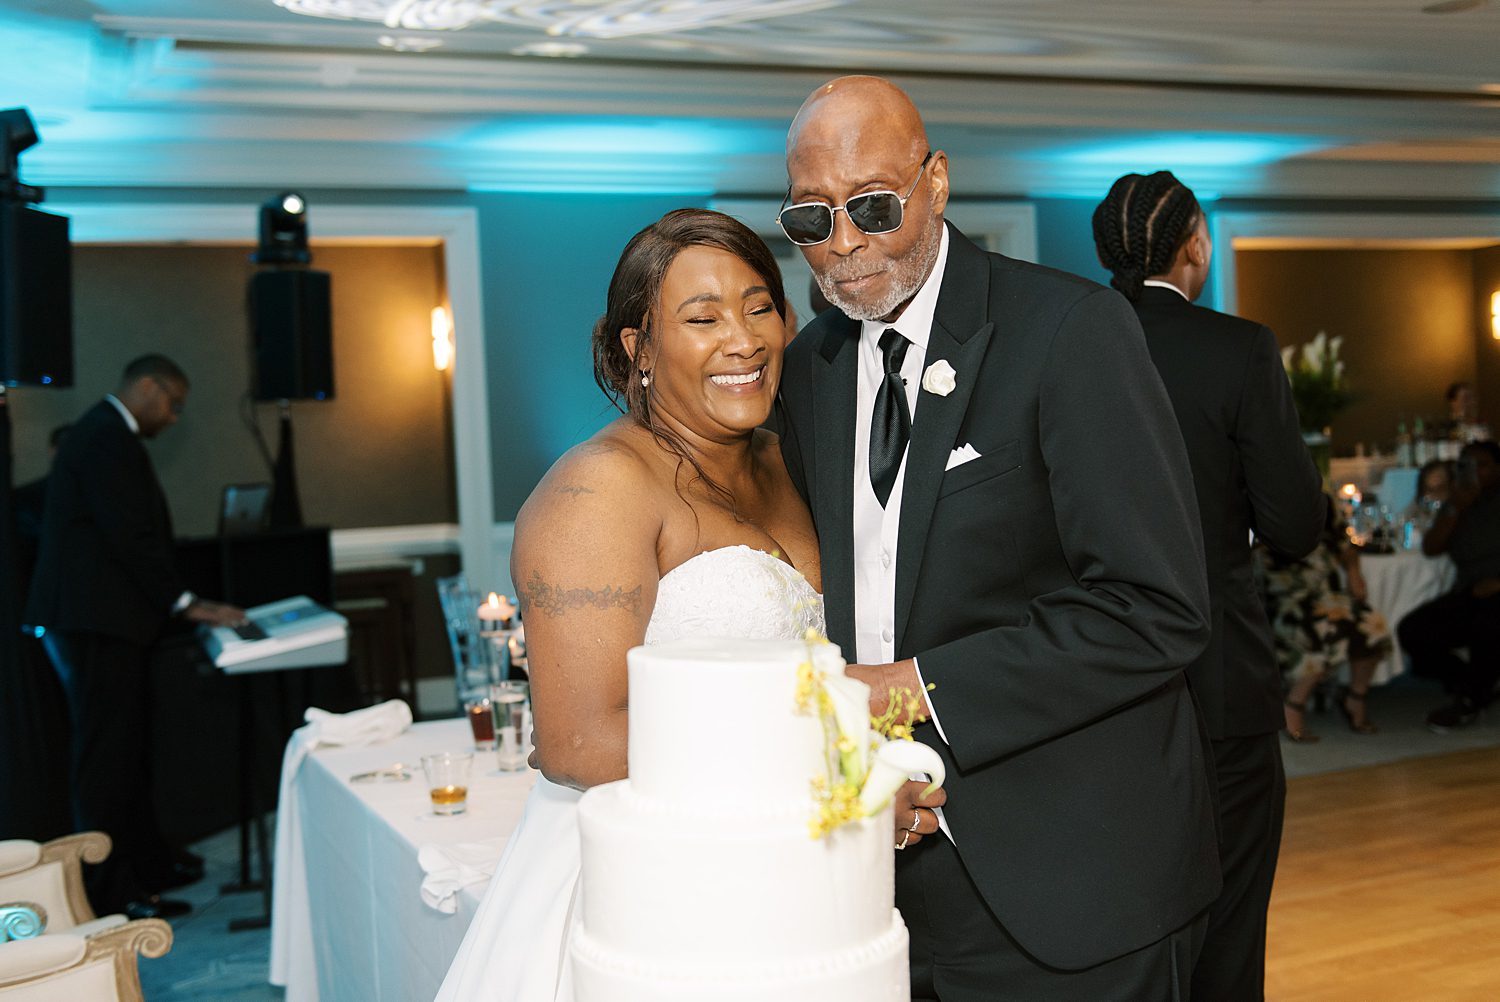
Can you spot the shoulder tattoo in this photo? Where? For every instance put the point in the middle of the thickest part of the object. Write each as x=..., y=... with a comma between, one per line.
x=573, y=490
x=553, y=600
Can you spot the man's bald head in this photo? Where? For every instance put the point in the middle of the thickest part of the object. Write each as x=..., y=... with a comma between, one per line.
x=851, y=106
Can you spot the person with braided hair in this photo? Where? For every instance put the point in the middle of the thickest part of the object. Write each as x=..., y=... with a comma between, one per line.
x=1251, y=472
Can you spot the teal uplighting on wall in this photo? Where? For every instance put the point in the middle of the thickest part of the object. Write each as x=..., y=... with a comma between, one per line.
x=548, y=260
x=591, y=137
x=1179, y=152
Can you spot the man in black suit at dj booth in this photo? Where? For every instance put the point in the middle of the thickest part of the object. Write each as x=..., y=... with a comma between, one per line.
x=104, y=588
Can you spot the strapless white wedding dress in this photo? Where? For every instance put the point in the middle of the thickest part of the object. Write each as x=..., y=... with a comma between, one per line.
x=516, y=949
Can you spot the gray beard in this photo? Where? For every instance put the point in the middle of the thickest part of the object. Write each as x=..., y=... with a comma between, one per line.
x=907, y=277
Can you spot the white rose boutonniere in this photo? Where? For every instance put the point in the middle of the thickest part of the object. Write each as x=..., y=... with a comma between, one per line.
x=939, y=378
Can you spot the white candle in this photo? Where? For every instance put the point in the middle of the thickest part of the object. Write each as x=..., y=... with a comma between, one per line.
x=496, y=609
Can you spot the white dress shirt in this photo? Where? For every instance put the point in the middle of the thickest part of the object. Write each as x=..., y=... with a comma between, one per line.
x=875, y=528
x=1167, y=285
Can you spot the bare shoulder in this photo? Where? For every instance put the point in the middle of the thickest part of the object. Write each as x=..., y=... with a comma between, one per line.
x=598, y=499
x=608, y=469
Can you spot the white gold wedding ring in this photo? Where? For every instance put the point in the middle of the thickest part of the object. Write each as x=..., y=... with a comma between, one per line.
x=904, y=839
x=916, y=818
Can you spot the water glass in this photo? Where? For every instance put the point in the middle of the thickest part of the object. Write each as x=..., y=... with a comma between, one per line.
x=511, y=703
x=448, y=780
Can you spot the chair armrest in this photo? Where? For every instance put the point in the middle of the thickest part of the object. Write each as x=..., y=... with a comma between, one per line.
x=102, y=924
x=29, y=959
x=146, y=937
x=71, y=851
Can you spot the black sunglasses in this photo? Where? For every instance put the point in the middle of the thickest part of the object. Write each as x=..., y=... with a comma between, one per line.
x=875, y=212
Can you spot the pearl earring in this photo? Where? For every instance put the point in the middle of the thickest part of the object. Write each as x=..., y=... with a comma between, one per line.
x=645, y=379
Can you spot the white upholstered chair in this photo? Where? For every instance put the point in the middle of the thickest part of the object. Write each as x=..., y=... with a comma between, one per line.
x=50, y=875
x=67, y=966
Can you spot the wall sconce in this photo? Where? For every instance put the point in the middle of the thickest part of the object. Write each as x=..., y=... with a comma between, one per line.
x=1495, y=315
x=442, y=339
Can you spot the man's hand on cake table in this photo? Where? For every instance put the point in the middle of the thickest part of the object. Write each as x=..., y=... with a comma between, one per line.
x=900, y=679
x=915, y=816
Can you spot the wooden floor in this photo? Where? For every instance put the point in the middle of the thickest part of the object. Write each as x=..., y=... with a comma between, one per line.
x=1389, y=884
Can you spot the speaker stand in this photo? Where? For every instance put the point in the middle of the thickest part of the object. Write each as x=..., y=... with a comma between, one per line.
x=286, y=507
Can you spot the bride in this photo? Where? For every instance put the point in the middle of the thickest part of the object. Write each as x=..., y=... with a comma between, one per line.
x=678, y=519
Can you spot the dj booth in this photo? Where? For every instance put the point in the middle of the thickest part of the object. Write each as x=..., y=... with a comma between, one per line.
x=205, y=715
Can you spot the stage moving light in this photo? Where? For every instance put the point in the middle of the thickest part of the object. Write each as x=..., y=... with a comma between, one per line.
x=283, y=230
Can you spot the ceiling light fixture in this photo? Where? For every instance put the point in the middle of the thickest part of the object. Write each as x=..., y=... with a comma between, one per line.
x=586, y=18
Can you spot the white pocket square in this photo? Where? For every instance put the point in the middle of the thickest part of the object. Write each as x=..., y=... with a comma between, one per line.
x=964, y=454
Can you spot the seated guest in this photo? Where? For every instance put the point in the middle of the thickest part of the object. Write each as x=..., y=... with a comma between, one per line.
x=1467, y=528
x=1435, y=482
x=1321, y=624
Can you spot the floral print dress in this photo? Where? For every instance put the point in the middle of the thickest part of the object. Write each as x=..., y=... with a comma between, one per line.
x=1319, y=627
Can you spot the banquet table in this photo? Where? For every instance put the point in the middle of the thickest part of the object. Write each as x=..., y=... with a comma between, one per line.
x=373, y=939
x=1398, y=583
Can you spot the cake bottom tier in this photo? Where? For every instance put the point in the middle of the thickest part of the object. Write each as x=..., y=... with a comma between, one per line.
x=873, y=972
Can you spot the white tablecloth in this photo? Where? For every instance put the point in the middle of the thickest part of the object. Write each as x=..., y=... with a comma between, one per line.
x=1398, y=583
x=373, y=939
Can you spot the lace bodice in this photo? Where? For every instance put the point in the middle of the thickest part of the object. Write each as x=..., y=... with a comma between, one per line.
x=734, y=591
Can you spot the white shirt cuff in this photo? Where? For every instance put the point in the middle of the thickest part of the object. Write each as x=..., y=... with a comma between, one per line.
x=931, y=709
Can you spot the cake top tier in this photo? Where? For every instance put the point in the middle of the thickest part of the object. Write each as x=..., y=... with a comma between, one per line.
x=714, y=722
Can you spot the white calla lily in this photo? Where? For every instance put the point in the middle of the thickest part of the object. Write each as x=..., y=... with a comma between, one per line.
x=895, y=763
x=851, y=711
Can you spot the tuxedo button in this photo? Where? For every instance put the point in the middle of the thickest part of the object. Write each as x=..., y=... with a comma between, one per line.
x=887, y=636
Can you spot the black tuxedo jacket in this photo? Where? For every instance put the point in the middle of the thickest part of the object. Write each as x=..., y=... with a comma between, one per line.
x=1252, y=471
x=105, y=563
x=1052, y=590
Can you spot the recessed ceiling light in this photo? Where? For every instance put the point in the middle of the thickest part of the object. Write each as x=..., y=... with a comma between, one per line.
x=1452, y=6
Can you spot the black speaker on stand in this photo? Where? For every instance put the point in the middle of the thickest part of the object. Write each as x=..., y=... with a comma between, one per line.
x=36, y=349
x=292, y=332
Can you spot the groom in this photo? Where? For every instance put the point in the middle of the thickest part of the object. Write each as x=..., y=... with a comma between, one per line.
x=1006, y=514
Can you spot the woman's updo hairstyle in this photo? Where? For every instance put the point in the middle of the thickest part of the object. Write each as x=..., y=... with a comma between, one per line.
x=636, y=287
x=1141, y=225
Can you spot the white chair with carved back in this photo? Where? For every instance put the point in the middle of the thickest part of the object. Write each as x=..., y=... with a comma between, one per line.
x=96, y=968
x=50, y=875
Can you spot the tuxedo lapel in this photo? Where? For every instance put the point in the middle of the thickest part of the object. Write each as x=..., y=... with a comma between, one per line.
x=835, y=371
x=960, y=336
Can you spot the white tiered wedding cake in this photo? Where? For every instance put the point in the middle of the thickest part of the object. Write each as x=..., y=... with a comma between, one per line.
x=701, y=879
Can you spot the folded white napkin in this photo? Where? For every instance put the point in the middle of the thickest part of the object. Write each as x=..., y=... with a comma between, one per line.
x=451, y=868
x=360, y=727
x=291, y=922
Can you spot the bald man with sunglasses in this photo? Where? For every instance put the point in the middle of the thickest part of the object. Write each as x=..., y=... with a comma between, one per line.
x=1007, y=522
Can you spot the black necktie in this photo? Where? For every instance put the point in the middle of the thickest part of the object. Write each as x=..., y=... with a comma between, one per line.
x=890, y=421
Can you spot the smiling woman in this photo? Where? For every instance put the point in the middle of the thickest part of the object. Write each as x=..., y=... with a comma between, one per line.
x=678, y=519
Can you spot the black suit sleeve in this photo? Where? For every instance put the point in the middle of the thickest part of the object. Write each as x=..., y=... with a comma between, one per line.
x=124, y=502
x=1287, y=503
x=1135, y=610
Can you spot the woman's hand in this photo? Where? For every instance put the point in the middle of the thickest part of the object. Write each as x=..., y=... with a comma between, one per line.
x=915, y=816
